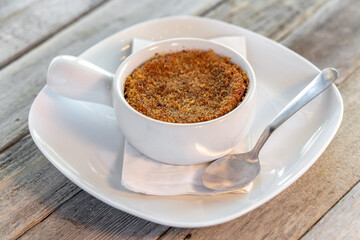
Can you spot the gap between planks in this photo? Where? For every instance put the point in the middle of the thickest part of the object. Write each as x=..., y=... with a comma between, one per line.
x=49, y=35
x=14, y=141
x=204, y=13
x=163, y=234
x=325, y=213
x=42, y=218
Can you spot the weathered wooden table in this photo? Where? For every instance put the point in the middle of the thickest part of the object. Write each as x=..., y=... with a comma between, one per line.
x=38, y=202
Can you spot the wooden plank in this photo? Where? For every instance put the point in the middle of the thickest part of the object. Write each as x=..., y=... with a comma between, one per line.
x=272, y=18
x=331, y=37
x=30, y=188
x=298, y=208
x=25, y=24
x=342, y=221
x=21, y=81
x=84, y=217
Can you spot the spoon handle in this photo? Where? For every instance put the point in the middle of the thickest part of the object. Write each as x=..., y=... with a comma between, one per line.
x=321, y=82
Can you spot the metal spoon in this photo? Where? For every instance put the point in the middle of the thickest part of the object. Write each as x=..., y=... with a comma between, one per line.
x=238, y=170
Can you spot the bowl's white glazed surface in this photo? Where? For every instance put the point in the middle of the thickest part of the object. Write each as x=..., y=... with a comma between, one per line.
x=183, y=144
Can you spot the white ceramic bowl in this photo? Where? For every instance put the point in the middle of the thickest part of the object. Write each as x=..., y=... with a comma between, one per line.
x=174, y=143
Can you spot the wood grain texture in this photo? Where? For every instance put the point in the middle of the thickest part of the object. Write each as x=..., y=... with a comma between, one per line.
x=24, y=24
x=84, y=217
x=331, y=37
x=342, y=221
x=298, y=208
x=21, y=81
x=274, y=19
x=31, y=188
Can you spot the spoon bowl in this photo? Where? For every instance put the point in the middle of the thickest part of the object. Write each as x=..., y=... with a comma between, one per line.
x=235, y=171
x=232, y=171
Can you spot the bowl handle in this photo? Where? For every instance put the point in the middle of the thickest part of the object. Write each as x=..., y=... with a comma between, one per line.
x=79, y=79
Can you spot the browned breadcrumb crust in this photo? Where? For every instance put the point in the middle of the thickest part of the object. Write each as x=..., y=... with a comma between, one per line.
x=186, y=87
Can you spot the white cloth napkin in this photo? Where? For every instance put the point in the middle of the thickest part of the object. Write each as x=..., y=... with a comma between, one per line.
x=144, y=175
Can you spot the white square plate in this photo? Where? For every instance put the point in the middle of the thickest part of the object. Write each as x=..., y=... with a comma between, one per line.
x=83, y=141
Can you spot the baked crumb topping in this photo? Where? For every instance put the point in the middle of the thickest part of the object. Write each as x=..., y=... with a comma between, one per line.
x=186, y=87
